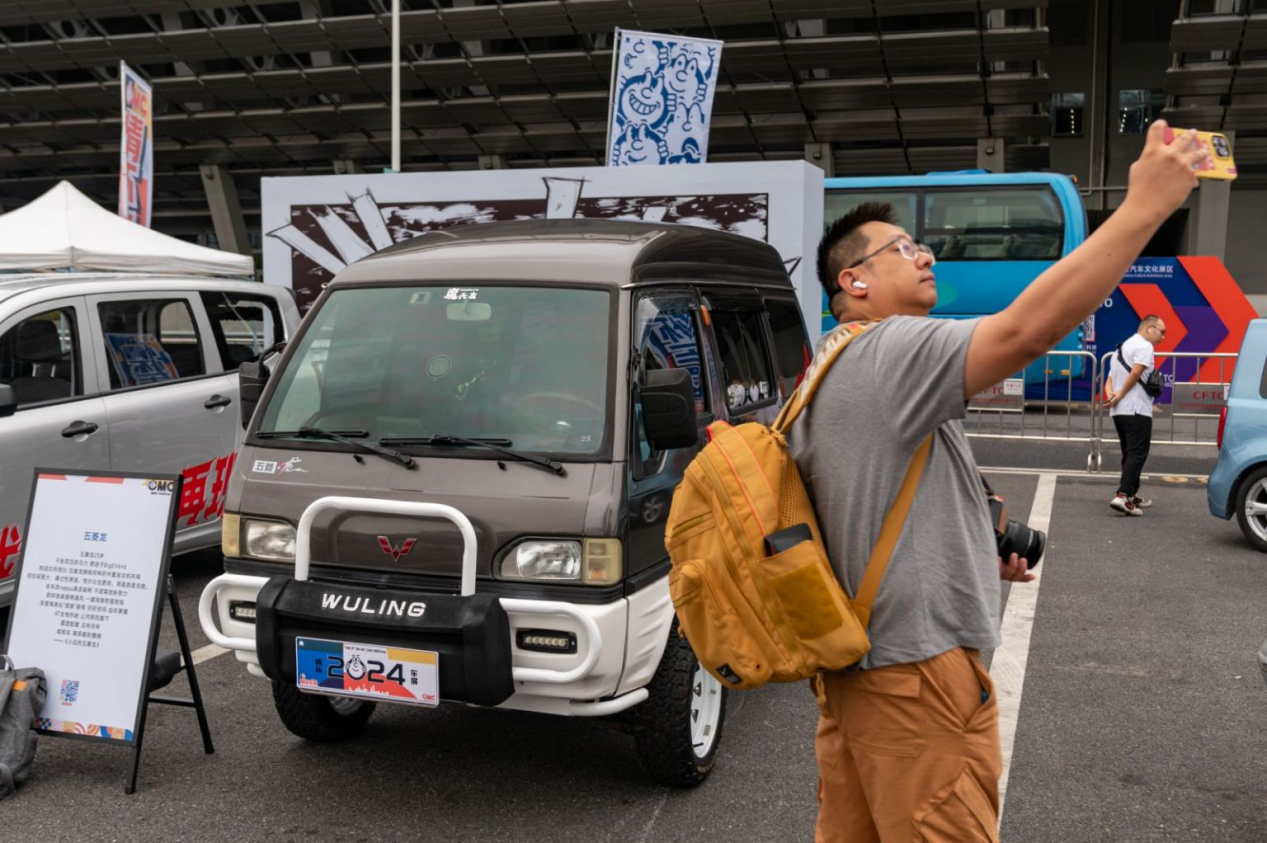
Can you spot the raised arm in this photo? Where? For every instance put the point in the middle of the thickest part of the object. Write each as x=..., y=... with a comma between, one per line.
x=1070, y=290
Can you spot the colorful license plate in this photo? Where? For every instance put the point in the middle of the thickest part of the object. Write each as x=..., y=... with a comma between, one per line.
x=370, y=671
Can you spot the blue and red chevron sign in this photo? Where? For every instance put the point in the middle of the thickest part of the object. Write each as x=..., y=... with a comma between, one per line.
x=1201, y=303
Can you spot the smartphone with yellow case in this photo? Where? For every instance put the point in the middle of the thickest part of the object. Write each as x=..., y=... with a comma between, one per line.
x=1220, y=164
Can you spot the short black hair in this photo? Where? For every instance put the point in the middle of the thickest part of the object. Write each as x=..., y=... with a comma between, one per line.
x=843, y=243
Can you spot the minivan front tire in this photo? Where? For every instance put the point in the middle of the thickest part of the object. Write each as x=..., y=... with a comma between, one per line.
x=319, y=718
x=1253, y=490
x=678, y=729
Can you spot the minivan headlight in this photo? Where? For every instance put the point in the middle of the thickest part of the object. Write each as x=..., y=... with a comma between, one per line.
x=273, y=541
x=592, y=561
x=544, y=560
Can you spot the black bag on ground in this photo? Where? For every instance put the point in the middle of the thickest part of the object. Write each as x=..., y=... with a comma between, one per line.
x=1152, y=382
x=21, y=699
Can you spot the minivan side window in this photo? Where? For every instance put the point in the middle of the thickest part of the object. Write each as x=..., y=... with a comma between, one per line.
x=667, y=336
x=40, y=358
x=745, y=369
x=150, y=341
x=242, y=326
x=791, y=352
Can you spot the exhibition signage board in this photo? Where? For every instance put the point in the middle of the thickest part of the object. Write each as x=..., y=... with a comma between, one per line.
x=1006, y=395
x=136, y=147
x=661, y=99
x=314, y=226
x=1206, y=399
x=1203, y=307
x=90, y=585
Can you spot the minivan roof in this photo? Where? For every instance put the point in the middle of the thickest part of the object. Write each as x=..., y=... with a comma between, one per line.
x=581, y=251
x=92, y=283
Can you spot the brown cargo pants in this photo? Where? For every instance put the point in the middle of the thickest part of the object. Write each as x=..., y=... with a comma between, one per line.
x=909, y=752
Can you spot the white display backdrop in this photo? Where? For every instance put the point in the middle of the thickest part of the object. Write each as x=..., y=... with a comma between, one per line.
x=316, y=225
x=92, y=574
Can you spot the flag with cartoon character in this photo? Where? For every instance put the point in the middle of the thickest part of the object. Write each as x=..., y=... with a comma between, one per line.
x=662, y=99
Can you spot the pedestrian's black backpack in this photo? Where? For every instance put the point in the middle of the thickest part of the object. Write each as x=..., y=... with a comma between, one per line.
x=1152, y=382
x=21, y=699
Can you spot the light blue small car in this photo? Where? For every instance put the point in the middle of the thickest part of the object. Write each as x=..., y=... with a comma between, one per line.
x=1238, y=484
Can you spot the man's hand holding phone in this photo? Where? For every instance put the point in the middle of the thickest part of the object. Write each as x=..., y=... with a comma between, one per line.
x=1165, y=173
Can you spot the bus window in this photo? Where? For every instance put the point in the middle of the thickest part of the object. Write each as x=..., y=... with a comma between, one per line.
x=983, y=225
x=841, y=202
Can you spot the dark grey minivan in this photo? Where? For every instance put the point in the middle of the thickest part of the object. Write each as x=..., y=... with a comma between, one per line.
x=455, y=482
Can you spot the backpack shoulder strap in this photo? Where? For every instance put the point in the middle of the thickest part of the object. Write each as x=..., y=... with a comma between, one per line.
x=889, y=532
x=833, y=346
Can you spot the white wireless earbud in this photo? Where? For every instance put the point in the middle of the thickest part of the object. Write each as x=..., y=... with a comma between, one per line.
x=859, y=285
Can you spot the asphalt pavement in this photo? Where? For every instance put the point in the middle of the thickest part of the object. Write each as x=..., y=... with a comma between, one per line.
x=1141, y=719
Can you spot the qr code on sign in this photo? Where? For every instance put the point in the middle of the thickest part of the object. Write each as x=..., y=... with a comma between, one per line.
x=70, y=691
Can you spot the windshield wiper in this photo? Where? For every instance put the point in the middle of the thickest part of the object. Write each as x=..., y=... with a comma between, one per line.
x=344, y=436
x=497, y=445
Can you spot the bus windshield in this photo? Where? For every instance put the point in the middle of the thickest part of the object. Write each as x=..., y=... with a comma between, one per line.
x=517, y=366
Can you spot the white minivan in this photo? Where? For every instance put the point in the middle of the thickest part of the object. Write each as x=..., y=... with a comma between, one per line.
x=126, y=372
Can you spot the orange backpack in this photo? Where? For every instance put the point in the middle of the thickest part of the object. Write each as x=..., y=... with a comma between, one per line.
x=753, y=617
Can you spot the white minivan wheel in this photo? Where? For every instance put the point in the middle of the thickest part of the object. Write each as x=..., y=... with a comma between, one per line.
x=678, y=729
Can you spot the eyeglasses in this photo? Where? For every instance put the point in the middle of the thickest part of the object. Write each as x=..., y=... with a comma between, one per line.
x=906, y=247
x=1160, y=331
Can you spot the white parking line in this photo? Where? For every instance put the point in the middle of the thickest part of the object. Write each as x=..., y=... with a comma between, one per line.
x=1007, y=669
x=1109, y=476
x=207, y=653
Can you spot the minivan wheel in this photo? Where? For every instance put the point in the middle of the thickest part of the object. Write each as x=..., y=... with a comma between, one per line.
x=1251, y=508
x=678, y=729
x=317, y=718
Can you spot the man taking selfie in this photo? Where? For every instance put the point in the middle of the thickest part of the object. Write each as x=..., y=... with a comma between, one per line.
x=907, y=743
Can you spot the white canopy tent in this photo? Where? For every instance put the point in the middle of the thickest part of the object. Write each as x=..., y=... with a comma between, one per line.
x=64, y=229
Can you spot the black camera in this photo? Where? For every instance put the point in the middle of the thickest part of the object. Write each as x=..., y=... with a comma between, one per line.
x=1014, y=536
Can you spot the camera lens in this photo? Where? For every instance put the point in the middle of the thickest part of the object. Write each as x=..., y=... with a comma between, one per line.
x=1026, y=543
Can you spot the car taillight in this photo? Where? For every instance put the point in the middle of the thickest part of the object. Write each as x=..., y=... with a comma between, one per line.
x=1222, y=425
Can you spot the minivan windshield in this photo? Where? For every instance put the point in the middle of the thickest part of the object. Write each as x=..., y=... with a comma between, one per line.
x=521, y=367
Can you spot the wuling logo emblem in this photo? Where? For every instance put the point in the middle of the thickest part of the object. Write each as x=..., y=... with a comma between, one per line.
x=396, y=552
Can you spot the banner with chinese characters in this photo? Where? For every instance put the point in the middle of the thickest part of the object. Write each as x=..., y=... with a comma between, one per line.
x=90, y=584
x=661, y=99
x=136, y=148
x=1205, y=312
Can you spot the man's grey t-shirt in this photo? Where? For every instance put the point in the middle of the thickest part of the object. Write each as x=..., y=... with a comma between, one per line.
x=880, y=399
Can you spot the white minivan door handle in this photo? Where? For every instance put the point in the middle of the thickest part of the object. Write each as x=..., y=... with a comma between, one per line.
x=215, y=402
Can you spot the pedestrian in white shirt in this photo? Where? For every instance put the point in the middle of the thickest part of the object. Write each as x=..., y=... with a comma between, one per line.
x=1132, y=410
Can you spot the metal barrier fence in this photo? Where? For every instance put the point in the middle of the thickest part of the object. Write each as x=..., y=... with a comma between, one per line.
x=1071, y=408
x=1064, y=414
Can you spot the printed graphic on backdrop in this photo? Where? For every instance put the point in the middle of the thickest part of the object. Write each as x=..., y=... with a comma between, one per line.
x=136, y=148
x=314, y=226
x=661, y=99
x=1203, y=308
x=325, y=238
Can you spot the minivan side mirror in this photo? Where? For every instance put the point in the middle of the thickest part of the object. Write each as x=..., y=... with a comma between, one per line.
x=668, y=409
x=252, y=378
x=8, y=400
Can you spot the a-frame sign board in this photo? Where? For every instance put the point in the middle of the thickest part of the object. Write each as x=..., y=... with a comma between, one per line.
x=89, y=600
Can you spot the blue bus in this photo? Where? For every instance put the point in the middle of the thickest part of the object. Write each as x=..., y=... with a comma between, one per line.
x=992, y=235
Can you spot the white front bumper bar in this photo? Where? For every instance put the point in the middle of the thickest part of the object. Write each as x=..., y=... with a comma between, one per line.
x=589, y=642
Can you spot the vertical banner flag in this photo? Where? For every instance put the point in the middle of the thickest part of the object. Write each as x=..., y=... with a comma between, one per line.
x=661, y=99
x=136, y=149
